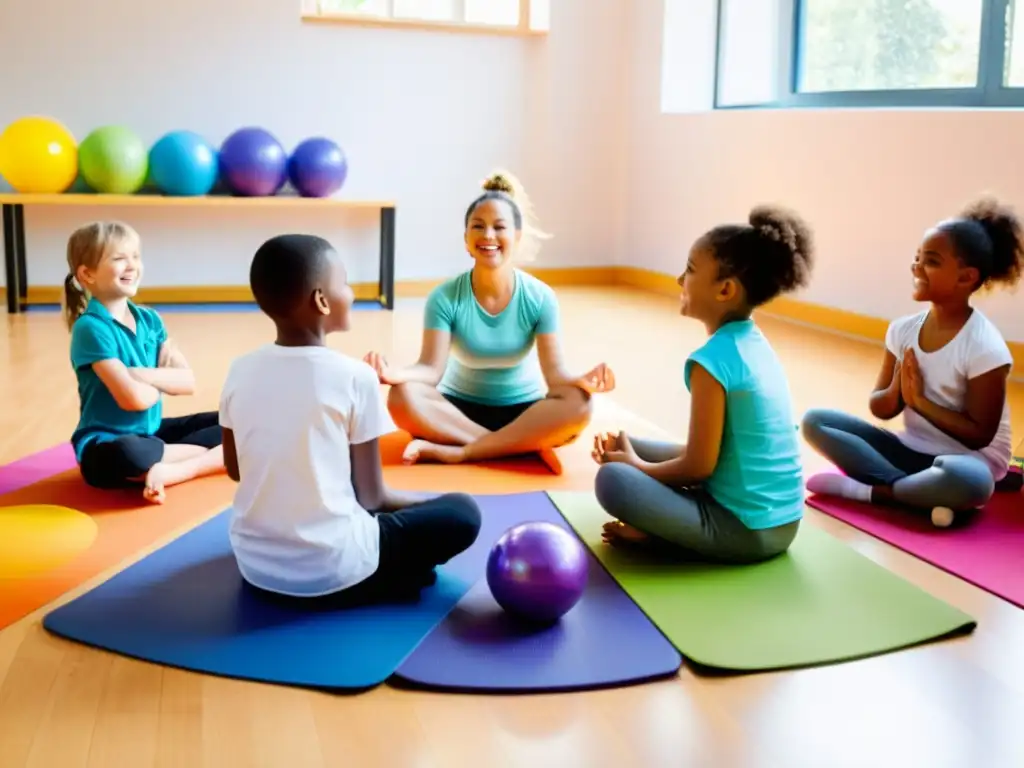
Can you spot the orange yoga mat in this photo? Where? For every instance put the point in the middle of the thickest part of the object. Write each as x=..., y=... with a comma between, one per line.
x=516, y=475
x=125, y=524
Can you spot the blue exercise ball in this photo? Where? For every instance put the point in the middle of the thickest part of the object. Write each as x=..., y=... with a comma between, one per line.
x=184, y=164
x=317, y=168
x=253, y=163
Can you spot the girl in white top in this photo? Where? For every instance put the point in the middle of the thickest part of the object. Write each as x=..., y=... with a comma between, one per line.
x=945, y=369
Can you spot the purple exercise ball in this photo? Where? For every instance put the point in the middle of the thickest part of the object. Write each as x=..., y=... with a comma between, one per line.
x=317, y=168
x=253, y=163
x=537, y=571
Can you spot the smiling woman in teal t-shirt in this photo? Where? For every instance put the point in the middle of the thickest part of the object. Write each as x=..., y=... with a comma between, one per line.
x=491, y=381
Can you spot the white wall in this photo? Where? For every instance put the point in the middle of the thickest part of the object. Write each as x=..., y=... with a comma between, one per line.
x=869, y=181
x=422, y=116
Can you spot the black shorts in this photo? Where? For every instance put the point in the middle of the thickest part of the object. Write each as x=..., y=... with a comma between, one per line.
x=124, y=461
x=490, y=417
x=413, y=542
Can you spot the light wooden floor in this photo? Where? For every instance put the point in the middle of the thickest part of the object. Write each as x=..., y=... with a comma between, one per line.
x=958, y=703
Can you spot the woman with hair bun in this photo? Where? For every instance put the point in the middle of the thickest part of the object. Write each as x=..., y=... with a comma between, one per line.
x=491, y=381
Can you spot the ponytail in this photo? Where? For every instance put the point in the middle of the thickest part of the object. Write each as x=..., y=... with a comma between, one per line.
x=75, y=301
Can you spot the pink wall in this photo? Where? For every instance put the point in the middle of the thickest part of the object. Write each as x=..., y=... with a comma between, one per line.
x=870, y=182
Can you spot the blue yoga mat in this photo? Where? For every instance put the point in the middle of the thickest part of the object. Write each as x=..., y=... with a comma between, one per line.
x=605, y=640
x=186, y=606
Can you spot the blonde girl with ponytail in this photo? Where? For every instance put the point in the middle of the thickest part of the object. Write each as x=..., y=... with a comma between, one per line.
x=125, y=363
x=491, y=380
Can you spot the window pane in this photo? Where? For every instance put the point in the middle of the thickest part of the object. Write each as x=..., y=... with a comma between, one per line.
x=500, y=12
x=434, y=10
x=879, y=45
x=748, y=63
x=1014, y=76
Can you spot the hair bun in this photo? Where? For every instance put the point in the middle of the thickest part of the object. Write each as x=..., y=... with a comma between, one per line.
x=786, y=229
x=499, y=182
x=1006, y=233
x=774, y=224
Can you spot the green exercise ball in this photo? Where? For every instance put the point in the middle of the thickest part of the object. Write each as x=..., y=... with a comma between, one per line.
x=113, y=160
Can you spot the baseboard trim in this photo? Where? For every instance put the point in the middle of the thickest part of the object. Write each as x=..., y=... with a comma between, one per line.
x=803, y=312
x=241, y=294
x=839, y=321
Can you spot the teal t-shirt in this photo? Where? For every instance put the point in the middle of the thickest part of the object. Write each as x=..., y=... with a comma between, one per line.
x=759, y=475
x=97, y=336
x=493, y=358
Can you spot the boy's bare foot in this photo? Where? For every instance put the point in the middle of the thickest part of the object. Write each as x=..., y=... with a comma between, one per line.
x=422, y=450
x=616, y=532
x=153, y=490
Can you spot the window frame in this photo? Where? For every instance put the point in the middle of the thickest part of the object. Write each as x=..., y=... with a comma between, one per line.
x=524, y=28
x=988, y=92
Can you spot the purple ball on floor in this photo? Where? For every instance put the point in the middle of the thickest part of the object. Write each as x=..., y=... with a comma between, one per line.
x=537, y=571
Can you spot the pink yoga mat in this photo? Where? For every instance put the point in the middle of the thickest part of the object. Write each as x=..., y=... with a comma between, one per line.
x=39, y=466
x=987, y=551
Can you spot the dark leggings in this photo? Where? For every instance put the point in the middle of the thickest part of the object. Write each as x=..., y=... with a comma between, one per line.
x=413, y=542
x=686, y=521
x=875, y=456
x=124, y=461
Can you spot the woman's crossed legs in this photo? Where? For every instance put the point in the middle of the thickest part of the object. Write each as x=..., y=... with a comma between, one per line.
x=451, y=430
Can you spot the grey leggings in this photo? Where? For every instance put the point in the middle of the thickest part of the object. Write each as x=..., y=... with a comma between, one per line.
x=877, y=457
x=687, y=520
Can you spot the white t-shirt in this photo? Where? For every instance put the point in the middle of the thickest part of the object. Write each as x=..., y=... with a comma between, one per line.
x=297, y=527
x=977, y=349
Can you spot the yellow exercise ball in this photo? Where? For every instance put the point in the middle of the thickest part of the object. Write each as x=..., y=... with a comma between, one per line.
x=38, y=155
x=37, y=538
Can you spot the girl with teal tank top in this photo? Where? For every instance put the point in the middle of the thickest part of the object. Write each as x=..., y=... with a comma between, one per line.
x=491, y=381
x=734, y=493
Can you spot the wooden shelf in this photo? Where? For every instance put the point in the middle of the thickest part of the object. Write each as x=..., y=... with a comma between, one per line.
x=277, y=201
x=16, y=258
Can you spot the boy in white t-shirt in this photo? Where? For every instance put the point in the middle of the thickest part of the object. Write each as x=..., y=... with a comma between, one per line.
x=312, y=515
x=945, y=369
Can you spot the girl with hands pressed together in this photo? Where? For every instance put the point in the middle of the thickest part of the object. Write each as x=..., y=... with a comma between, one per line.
x=945, y=370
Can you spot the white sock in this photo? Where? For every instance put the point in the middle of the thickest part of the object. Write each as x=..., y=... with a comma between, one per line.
x=830, y=484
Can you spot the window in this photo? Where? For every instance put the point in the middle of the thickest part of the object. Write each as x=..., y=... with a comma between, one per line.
x=888, y=45
x=869, y=53
x=523, y=17
x=1014, y=75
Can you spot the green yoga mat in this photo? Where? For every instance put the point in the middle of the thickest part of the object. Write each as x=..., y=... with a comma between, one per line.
x=821, y=602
